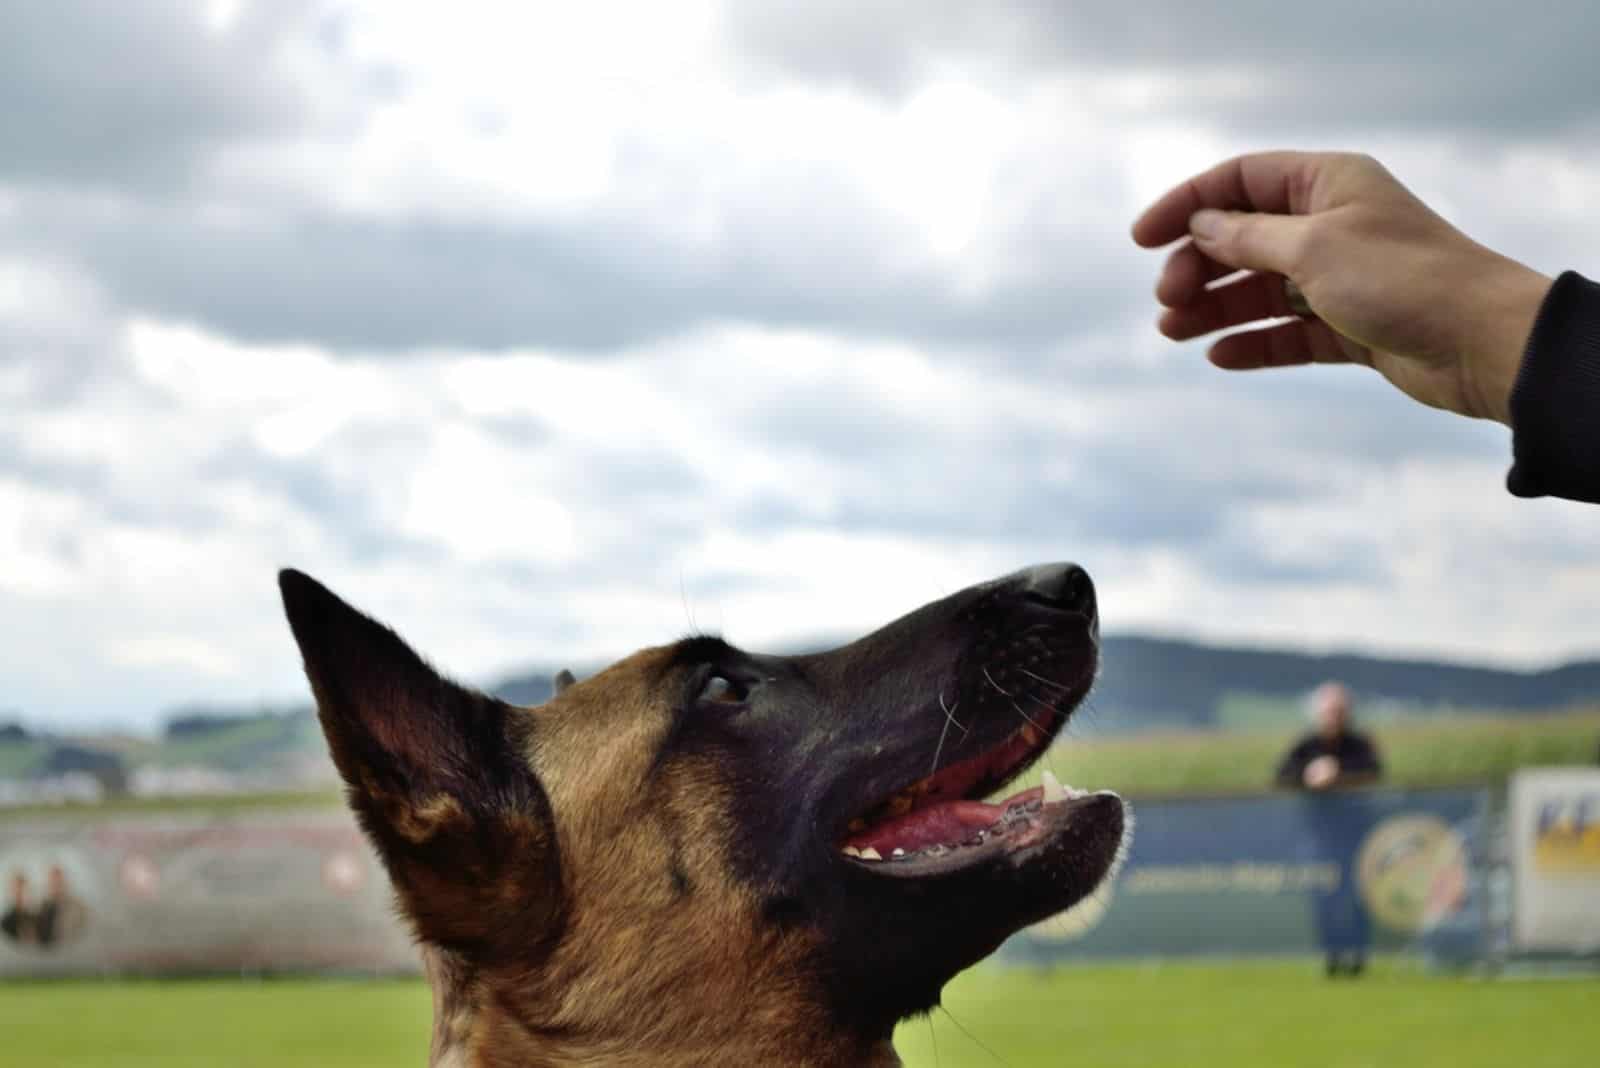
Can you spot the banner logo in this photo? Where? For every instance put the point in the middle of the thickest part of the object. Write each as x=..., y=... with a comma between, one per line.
x=1412, y=871
x=1566, y=835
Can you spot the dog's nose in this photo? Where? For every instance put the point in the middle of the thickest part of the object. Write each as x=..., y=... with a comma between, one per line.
x=1065, y=586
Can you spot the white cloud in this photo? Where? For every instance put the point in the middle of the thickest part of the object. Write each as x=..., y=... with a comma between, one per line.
x=186, y=653
x=548, y=334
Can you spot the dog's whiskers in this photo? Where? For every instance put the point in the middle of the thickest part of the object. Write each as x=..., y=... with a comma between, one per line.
x=949, y=718
x=1035, y=724
x=1003, y=691
x=1048, y=706
x=1052, y=683
x=981, y=1044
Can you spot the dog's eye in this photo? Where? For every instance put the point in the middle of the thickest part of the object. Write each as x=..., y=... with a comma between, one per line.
x=721, y=690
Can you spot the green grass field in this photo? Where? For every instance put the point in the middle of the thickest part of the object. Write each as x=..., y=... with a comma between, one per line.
x=1434, y=752
x=1239, y=1015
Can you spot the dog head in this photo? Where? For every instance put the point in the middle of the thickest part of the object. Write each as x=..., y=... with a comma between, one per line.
x=698, y=827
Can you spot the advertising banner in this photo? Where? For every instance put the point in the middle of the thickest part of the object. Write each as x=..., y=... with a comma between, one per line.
x=299, y=890
x=1555, y=860
x=1285, y=874
x=254, y=891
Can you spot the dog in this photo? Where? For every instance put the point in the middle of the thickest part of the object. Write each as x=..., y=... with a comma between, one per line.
x=704, y=856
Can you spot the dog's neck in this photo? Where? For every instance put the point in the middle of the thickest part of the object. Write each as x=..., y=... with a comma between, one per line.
x=476, y=1024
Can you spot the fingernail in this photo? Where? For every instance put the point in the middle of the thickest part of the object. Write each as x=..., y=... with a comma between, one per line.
x=1206, y=224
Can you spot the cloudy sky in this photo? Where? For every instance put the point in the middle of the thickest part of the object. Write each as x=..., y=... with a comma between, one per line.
x=547, y=331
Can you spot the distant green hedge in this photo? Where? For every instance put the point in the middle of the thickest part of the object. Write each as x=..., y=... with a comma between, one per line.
x=220, y=803
x=1438, y=752
x=19, y=758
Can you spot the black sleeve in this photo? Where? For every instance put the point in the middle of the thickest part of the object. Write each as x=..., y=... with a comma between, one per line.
x=1292, y=768
x=1361, y=756
x=1555, y=404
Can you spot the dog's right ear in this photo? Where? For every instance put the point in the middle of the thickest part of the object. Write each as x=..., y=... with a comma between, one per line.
x=438, y=777
x=563, y=680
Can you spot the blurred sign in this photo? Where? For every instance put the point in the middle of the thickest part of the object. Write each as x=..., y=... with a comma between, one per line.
x=297, y=890
x=263, y=890
x=1555, y=859
x=1285, y=873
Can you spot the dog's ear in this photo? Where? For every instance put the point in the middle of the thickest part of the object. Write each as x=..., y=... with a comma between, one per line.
x=563, y=680
x=438, y=777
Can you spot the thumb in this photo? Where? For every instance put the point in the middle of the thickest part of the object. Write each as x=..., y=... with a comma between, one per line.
x=1250, y=240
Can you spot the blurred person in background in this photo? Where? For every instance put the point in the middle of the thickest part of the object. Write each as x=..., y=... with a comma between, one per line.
x=62, y=915
x=18, y=922
x=1333, y=754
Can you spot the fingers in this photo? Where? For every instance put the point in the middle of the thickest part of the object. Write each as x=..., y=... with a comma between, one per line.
x=1299, y=341
x=1250, y=299
x=1252, y=241
x=1264, y=181
x=1186, y=275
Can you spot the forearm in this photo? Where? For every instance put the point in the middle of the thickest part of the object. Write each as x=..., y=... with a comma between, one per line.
x=1555, y=404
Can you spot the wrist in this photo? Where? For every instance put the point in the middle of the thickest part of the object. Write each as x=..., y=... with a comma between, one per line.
x=1503, y=302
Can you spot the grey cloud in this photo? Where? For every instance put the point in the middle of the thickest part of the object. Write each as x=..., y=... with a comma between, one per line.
x=1243, y=562
x=344, y=507
x=1189, y=455
x=134, y=104
x=131, y=93
x=1110, y=494
x=344, y=504
x=1515, y=68
x=387, y=286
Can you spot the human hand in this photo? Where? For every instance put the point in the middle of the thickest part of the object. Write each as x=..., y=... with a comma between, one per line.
x=1321, y=772
x=1393, y=285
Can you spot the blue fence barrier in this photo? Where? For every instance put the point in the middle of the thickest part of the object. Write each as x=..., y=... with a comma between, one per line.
x=1287, y=873
x=298, y=890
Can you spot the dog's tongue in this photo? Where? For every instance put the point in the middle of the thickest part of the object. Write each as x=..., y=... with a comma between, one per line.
x=950, y=823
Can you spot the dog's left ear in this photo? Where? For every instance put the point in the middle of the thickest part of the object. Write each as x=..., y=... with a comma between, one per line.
x=438, y=775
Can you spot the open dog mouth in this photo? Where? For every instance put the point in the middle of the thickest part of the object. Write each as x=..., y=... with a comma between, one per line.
x=940, y=823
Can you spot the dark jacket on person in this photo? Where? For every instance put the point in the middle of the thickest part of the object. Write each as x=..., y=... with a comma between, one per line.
x=1354, y=751
x=1555, y=403
x=18, y=924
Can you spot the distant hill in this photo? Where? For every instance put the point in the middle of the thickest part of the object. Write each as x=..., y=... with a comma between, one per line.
x=1161, y=681
x=533, y=689
x=218, y=749
x=1148, y=682
x=1145, y=684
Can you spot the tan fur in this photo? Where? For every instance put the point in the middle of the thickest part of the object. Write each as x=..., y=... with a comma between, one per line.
x=663, y=959
x=569, y=870
x=419, y=820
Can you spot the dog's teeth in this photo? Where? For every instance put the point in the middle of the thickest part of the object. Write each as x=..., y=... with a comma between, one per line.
x=850, y=851
x=1054, y=792
x=898, y=852
x=870, y=854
